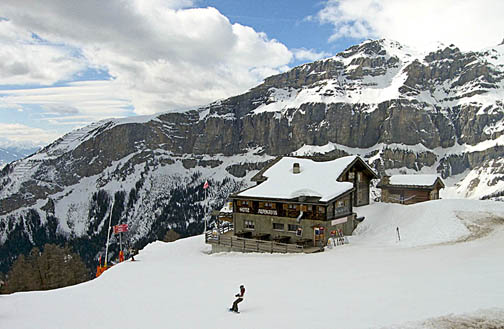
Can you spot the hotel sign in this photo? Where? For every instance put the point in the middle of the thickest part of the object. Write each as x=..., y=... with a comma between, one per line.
x=339, y=221
x=244, y=209
x=267, y=212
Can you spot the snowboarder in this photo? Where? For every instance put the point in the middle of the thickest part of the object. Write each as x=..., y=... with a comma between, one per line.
x=398, y=234
x=240, y=295
x=132, y=254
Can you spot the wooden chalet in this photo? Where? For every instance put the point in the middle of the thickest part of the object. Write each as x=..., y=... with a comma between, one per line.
x=410, y=189
x=301, y=201
x=225, y=214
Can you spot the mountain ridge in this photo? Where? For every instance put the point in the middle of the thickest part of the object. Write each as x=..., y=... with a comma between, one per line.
x=440, y=112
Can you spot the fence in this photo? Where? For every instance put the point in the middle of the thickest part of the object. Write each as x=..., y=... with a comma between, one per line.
x=251, y=245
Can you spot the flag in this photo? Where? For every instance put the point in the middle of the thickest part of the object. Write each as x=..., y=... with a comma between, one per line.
x=206, y=185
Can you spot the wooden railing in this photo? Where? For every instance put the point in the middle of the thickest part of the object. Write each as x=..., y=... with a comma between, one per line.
x=221, y=229
x=251, y=245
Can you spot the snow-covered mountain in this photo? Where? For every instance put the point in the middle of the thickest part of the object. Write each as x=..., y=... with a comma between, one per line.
x=401, y=110
x=445, y=272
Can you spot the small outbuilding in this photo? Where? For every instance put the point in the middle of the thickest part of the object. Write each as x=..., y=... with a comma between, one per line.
x=410, y=189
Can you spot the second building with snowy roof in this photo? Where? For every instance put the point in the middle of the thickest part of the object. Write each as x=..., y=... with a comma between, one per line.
x=410, y=189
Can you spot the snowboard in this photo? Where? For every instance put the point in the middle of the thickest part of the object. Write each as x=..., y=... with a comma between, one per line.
x=230, y=310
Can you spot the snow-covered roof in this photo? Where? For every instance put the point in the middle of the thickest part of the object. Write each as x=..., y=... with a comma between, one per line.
x=227, y=208
x=316, y=179
x=413, y=180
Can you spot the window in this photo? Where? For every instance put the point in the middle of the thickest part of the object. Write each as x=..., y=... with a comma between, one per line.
x=293, y=227
x=293, y=206
x=341, y=207
x=278, y=226
x=249, y=225
x=321, y=210
x=267, y=205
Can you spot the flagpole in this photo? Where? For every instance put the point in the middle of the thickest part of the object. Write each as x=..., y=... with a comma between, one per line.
x=206, y=209
x=108, y=232
x=205, y=187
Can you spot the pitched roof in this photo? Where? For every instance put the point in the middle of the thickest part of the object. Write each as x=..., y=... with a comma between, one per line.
x=316, y=179
x=414, y=180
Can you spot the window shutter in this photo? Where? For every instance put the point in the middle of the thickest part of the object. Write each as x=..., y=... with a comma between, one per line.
x=304, y=208
x=285, y=206
x=239, y=203
x=261, y=204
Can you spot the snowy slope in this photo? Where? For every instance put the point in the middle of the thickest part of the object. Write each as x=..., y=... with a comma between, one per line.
x=485, y=181
x=436, y=274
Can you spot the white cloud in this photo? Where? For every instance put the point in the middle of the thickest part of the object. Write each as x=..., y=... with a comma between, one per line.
x=20, y=134
x=88, y=101
x=309, y=54
x=162, y=55
x=469, y=24
x=24, y=60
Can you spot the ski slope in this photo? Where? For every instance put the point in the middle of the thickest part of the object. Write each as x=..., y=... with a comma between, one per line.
x=447, y=268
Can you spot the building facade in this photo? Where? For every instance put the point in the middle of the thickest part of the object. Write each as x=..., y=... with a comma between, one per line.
x=303, y=201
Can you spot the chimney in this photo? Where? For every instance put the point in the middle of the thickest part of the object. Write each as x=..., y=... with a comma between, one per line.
x=295, y=168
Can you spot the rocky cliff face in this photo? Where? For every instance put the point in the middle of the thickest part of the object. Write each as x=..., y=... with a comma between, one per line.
x=401, y=110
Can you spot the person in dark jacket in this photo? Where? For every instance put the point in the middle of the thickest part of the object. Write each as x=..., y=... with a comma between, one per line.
x=240, y=295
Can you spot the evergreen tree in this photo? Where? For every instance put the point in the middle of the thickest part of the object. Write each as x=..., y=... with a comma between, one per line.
x=171, y=236
x=54, y=267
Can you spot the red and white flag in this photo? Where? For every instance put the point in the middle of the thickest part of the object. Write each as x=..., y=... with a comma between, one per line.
x=120, y=228
x=206, y=185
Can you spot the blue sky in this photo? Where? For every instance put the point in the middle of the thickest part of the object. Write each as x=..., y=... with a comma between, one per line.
x=286, y=21
x=67, y=63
